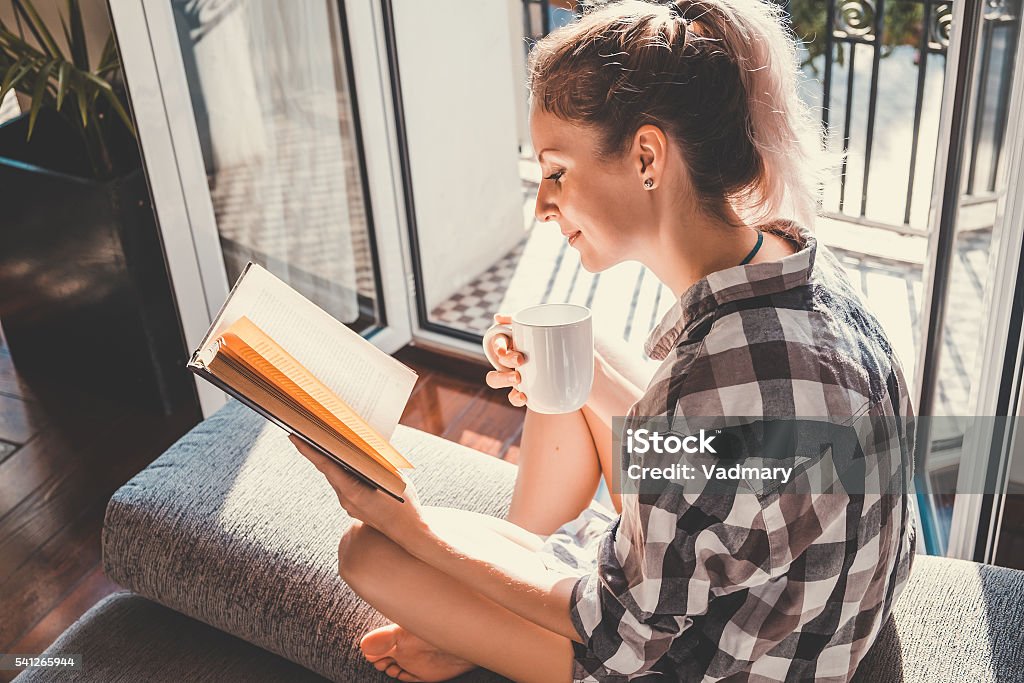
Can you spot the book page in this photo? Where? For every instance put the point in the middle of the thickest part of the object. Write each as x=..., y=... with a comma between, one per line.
x=371, y=382
x=272, y=405
x=265, y=356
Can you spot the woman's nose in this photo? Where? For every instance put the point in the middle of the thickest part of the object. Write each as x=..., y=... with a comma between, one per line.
x=545, y=210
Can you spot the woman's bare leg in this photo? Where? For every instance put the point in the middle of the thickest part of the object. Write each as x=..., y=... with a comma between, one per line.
x=430, y=644
x=558, y=471
x=556, y=480
x=560, y=466
x=453, y=518
x=601, y=434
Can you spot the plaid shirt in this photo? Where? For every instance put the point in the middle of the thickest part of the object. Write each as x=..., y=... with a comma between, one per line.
x=759, y=585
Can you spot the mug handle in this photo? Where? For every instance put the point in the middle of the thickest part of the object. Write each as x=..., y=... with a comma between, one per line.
x=489, y=336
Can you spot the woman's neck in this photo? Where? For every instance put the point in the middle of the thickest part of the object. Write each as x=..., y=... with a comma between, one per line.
x=681, y=254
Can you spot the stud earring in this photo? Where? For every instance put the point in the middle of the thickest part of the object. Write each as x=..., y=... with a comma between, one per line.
x=649, y=184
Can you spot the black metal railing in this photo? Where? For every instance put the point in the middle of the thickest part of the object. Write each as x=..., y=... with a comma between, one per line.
x=846, y=32
x=859, y=25
x=536, y=19
x=877, y=26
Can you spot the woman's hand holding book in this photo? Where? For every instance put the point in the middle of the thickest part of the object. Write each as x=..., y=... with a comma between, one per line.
x=362, y=502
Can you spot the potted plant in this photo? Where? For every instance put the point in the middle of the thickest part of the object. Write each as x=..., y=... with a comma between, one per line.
x=84, y=290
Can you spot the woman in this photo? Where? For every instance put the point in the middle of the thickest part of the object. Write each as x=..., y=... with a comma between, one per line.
x=671, y=135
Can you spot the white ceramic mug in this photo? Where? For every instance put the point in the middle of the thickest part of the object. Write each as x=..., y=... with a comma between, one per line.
x=558, y=343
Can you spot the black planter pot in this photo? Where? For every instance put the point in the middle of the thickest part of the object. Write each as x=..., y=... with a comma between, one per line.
x=84, y=290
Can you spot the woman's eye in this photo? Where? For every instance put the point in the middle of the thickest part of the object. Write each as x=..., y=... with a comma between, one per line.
x=555, y=176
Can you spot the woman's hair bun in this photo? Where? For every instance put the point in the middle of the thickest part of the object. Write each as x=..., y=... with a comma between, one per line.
x=677, y=11
x=720, y=79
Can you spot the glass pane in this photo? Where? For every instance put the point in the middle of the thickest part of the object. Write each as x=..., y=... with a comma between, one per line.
x=877, y=81
x=274, y=108
x=505, y=259
x=884, y=248
x=965, y=321
x=463, y=131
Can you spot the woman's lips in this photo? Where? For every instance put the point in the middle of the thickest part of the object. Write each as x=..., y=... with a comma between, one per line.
x=573, y=237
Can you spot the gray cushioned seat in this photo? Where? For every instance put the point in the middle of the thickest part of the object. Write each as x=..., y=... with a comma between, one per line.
x=233, y=527
x=128, y=639
x=955, y=621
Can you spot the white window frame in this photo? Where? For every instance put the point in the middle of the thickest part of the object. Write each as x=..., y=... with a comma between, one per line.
x=158, y=90
x=992, y=371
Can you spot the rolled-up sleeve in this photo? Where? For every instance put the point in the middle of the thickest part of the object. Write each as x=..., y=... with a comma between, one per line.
x=658, y=568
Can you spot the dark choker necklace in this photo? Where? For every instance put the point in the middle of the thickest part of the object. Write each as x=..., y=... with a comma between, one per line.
x=753, y=252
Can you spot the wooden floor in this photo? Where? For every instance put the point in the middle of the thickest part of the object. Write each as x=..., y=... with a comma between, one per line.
x=64, y=452
x=452, y=401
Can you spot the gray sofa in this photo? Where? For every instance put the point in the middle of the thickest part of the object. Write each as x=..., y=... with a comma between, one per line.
x=228, y=544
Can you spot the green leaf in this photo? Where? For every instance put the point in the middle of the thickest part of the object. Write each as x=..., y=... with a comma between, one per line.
x=7, y=57
x=83, y=105
x=78, y=44
x=31, y=61
x=18, y=45
x=97, y=81
x=64, y=28
x=119, y=108
x=9, y=76
x=15, y=74
x=42, y=79
x=108, y=59
x=62, y=83
x=38, y=27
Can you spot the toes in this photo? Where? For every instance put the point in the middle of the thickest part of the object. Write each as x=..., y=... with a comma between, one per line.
x=379, y=642
x=394, y=670
x=408, y=677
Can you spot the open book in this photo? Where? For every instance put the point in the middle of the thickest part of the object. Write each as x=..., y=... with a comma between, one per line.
x=277, y=352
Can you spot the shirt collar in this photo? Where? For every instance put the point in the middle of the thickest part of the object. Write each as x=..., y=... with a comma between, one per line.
x=735, y=284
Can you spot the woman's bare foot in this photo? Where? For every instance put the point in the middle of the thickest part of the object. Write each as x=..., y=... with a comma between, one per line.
x=402, y=655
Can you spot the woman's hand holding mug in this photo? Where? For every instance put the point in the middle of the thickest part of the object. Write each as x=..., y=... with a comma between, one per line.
x=546, y=354
x=510, y=359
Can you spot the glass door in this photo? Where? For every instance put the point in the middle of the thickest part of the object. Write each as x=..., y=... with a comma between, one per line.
x=250, y=117
x=876, y=72
x=919, y=94
x=459, y=76
x=986, y=524
x=966, y=374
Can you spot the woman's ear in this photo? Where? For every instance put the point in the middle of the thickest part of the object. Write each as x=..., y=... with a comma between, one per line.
x=650, y=147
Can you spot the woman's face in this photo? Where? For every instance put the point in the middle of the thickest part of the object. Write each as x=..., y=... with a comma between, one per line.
x=598, y=204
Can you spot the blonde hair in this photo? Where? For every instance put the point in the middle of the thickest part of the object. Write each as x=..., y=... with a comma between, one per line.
x=718, y=76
